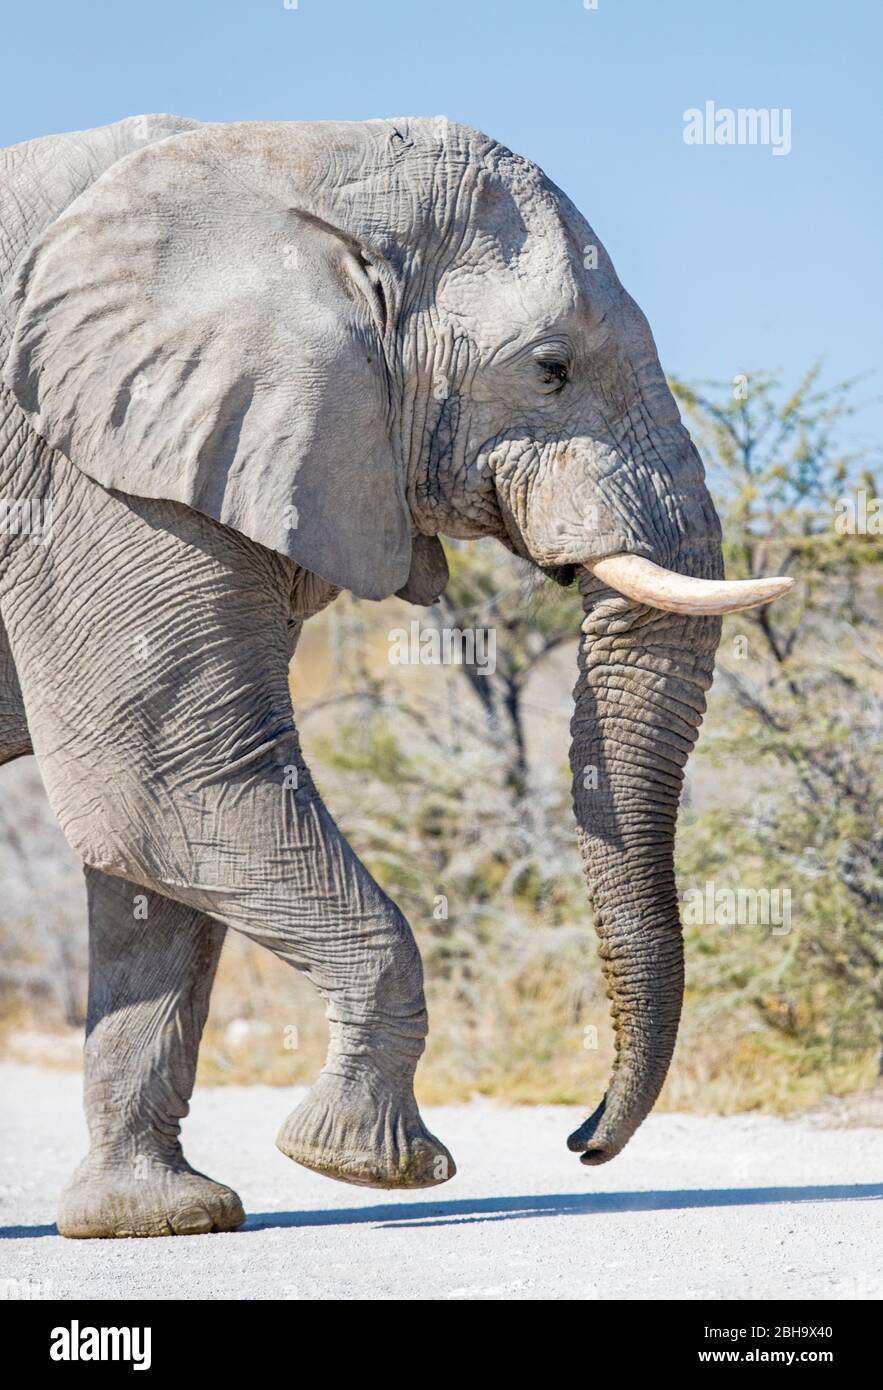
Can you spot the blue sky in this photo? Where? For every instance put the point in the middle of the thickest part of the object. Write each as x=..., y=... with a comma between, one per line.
x=740, y=259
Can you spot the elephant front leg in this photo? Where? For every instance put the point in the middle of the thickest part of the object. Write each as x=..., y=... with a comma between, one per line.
x=359, y=1122
x=151, y=966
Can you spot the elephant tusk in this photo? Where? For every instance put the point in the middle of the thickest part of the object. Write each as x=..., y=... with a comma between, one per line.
x=641, y=580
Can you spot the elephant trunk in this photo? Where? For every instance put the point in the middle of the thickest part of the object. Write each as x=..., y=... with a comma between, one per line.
x=639, y=701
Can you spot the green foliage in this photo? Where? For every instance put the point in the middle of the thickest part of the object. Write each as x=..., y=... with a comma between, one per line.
x=797, y=715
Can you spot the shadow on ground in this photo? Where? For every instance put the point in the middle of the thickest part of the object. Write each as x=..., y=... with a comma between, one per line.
x=559, y=1204
x=470, y=1209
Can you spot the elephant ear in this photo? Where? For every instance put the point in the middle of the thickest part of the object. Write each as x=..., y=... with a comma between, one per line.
x=188, y=330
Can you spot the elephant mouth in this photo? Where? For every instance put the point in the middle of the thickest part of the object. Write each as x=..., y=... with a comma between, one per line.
x=563, y=575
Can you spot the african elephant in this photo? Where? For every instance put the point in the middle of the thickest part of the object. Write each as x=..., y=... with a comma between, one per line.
x=245, y=367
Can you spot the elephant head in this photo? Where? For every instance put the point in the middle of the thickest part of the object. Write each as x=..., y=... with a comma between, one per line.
x=342, y=340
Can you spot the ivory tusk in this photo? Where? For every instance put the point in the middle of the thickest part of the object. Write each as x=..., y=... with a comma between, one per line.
x=641, y=580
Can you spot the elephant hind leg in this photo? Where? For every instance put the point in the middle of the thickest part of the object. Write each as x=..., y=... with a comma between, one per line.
x=151, y=966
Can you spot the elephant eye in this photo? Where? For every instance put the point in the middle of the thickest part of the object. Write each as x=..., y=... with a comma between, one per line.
x=553, y=376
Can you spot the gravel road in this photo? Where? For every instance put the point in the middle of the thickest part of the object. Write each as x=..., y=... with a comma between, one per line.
x=745, y=1207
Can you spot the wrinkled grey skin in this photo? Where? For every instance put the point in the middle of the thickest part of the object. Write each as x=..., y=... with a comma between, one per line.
x=249, y=366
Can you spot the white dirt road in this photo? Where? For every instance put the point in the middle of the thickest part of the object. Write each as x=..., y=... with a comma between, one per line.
x=747, y=1207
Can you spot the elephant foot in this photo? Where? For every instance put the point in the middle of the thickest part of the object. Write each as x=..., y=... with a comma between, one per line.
x=156, y=1200
x=358, y=1130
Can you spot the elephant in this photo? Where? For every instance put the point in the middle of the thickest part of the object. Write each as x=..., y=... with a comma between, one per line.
x=243, y=368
